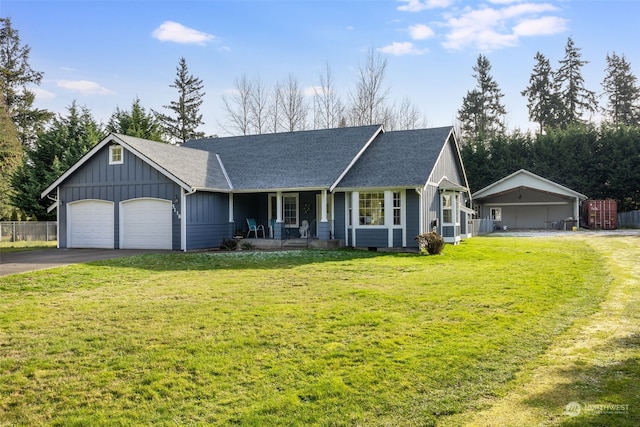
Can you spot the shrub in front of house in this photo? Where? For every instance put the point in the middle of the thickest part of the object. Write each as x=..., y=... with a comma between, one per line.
x=229, y=244
x=431, y=243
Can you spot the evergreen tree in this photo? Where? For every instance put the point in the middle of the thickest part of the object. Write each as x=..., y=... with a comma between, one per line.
x=183, y=124
x=10, y=159
x=574, y=99
x=482, y=114
x=136, y=122
x=55, y=150
x=15, y=76
x=622, y=92
x=541, y=98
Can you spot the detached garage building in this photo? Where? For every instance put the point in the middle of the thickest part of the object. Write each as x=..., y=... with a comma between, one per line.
x=524, y=200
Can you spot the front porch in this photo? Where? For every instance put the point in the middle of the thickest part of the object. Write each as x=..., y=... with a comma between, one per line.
x=295, y=243
x=283, y=216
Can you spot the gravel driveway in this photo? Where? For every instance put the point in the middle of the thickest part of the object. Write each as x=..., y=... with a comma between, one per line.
x=20, y=262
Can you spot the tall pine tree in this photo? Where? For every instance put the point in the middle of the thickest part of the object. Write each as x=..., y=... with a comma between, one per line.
x=16, y=75
x=482, y=114
x=575, y=99
x=622, y=92
x=542, y=101
x=10, y=159
x=182, y=125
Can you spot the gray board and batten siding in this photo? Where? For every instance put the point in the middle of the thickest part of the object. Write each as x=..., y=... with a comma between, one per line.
x=99, y=180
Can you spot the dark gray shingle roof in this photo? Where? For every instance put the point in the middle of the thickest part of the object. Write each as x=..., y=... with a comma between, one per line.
x=197, y=168
x=291, y=160
x=398, y=159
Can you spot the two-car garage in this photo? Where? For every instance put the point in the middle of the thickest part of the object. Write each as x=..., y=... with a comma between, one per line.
x=143, y=223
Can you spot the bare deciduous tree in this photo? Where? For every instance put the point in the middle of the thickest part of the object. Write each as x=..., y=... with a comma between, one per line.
x=408, y=116
x=293, y=107
x=259, y=103
x=237, y=106
x=328, y=108
x=368, y=102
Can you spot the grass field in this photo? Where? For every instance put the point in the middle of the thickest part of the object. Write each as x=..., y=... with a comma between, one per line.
x=330, y=338
x=6, y=247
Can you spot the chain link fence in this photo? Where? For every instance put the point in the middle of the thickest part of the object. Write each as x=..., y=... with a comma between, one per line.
x=20, y=231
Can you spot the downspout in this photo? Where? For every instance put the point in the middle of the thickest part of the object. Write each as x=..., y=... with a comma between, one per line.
x=58, y=219
x=183, y=218
x=57, y=201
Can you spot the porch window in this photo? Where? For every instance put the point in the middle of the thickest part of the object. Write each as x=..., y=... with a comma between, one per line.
x=371, y=208
x=397, y=208
x=496, y=214
x=115, y=155
x=447, y=207
x=290, y=208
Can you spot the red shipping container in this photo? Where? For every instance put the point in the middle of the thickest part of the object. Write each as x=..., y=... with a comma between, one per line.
x=600, y=214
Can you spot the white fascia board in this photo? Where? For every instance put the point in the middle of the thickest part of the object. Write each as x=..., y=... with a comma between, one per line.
x=77, y=164
x=524, y=178
x=356, y=157
x=224, y=171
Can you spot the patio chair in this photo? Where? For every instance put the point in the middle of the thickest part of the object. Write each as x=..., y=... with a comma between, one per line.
x=254, y=227
x=272, y=227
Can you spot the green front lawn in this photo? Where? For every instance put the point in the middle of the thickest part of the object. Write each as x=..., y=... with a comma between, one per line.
x=6, y=247
x=296, y=338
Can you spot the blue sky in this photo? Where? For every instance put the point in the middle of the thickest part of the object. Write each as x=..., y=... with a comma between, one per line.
x=103, y=54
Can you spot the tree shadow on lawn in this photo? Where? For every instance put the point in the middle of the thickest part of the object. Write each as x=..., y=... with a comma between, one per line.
x=598, y=392
x=238, y=260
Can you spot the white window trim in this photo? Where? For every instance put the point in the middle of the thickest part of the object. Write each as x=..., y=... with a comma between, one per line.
x=297, y=222
x=393, y=208
x=493, y=216
x=111, y=152
x=385, y=199
x=455, y=208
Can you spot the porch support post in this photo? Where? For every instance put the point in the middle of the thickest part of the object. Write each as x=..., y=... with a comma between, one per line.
x=323, y=225
x=183, y=220
x=231, y=221
x=576, y=212
x=277, y=233
x=355, y=198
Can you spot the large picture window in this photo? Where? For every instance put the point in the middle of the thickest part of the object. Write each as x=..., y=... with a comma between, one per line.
x=371, y=208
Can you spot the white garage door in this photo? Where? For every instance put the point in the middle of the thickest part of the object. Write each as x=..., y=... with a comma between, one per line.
x=90, y=224
x=145, y=224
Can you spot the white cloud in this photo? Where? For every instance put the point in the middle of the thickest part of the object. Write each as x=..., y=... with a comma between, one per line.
x=418, y=5
x=311, y=90
x=84, y=87
x=490, y=28
x=402, y=48
x=170, y=31
x=420, y=32
x=541, y=26
x=42, y=94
